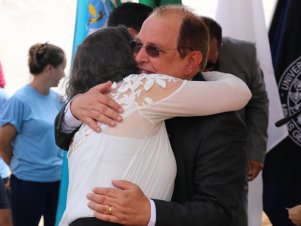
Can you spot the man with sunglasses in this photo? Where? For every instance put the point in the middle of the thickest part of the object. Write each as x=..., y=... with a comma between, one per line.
x=209, y=152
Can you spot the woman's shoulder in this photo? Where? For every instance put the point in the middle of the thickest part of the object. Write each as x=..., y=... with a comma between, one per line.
x=147, y=81
x=144, y=89
x=144, y=76
x=136, y=83
x=55, y=94
x=21, y=93
x=57, y=97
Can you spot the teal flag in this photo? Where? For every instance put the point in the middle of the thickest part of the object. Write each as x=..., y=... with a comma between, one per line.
x=90, y=16
x=155, y=3
x=115, y=3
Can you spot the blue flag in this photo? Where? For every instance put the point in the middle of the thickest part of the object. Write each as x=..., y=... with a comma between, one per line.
x=282, y=185
x=90, y=16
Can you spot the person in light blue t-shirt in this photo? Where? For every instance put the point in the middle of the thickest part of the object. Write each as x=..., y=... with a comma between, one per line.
x=5, y=212
x=4, y=169
x=27, y=139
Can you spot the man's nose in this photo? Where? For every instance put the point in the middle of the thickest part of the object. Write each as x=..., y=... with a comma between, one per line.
x=141, y=56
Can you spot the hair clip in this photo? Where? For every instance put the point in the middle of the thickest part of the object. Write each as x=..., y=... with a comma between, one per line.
x=42, y=50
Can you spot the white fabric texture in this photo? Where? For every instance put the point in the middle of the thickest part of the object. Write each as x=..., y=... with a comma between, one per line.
x=138, y=149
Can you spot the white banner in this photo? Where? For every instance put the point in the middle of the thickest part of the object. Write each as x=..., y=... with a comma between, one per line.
x=244, y=19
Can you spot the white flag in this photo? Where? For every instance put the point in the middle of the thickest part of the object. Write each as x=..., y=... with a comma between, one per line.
x=244, y=20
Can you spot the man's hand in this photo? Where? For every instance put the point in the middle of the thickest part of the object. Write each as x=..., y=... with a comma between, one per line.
x=294, y=214
x=126, y=205
x=93, y=106
x=254, y=167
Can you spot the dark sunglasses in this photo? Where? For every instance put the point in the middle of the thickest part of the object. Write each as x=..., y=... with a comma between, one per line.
x=150, y=49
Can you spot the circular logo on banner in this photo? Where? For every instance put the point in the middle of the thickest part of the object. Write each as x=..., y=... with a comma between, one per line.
x=290, y=96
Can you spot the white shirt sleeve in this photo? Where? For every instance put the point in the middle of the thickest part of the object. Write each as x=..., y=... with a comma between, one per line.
x=153, y=217
x=220, y=93
x=69, y=122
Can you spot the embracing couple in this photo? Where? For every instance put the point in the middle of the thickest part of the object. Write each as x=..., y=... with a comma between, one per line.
x=136, y=170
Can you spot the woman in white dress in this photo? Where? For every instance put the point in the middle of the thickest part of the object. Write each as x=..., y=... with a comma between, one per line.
x=137, y=149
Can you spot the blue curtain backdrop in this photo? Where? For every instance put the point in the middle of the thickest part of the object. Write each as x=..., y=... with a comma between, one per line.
x=90, y=16
x=282, y=183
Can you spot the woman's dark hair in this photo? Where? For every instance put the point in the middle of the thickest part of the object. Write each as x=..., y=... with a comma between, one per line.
x=105, y=55
x=42, y=54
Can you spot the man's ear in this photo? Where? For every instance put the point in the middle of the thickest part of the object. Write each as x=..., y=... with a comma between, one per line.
x=132, y=31
x=194, y=60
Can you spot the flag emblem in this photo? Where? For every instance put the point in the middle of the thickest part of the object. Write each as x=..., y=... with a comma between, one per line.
x=290, y=95
x=98, y=13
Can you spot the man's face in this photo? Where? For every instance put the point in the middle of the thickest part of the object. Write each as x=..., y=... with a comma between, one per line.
x=212, y=56
x=162, y=33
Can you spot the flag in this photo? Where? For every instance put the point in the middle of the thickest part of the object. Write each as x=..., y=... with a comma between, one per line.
x=282, y=185
x=90, y=16
x=244, y=20
x=155, y=3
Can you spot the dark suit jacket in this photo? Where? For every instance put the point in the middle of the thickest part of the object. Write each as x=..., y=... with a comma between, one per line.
x=63, y=140
x=211, y=168
x=239, y=58
x=211, y=172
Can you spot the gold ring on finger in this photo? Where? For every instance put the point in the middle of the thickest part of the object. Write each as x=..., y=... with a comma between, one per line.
x=109, y=210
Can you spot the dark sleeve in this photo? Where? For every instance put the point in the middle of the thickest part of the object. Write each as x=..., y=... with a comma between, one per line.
x=257, y=111
x=62, y=140
x=213, y=178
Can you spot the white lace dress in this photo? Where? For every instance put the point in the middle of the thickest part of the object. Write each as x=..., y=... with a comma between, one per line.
x=138, y=149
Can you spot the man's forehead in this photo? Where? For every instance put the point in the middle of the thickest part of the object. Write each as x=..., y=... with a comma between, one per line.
x=157, y=27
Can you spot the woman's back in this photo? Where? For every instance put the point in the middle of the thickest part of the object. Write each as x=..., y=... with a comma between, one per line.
x=138, y=148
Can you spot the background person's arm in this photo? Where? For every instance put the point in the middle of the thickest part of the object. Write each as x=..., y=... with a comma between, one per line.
x=7, y=134
x=239, y=58
x=257, y=117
